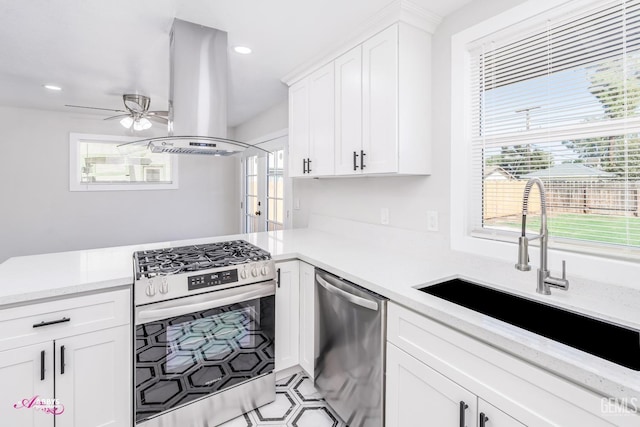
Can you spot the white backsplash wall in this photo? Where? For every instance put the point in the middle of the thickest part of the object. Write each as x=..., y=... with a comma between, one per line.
x=39, y=214
x=407, y=198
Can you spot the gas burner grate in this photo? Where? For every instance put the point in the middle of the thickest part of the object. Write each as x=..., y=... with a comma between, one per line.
x=161, y=262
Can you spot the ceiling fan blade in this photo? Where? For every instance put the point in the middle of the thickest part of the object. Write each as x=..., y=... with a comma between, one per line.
x=95, y=108
x=159, y=119
x=119, y=116
x=157, y=113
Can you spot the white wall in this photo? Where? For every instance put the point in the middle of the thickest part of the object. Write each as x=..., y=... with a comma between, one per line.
x=269, y=121
x=39, y=214
x=407, y=198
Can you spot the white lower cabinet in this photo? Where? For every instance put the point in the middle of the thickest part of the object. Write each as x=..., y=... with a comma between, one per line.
x=432, y=368
x=307, y=318
x=418, y=395
x=95, y=379
x=287, y=315
x=490, y=416
x=66, y=361
x=25, y=373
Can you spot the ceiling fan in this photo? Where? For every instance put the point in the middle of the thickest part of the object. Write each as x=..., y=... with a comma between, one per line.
x=137, y=114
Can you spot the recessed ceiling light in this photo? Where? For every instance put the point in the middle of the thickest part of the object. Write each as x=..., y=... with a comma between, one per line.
x=52, y=87
x=242, y=49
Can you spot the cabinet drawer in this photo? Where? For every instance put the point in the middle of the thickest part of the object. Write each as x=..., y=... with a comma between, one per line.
x=29, y=324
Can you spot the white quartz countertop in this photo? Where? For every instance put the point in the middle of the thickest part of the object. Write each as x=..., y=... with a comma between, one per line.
x=392, y=273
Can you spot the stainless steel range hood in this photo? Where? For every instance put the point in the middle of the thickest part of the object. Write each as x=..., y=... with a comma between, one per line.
x=197, y=94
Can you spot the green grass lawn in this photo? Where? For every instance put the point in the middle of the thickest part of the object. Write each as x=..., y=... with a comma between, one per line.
x=599, y=228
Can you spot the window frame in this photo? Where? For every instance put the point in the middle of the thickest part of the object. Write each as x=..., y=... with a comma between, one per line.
x=75, y=174
x=586, y=259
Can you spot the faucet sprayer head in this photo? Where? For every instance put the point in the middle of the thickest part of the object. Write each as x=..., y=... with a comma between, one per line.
x=523, y=254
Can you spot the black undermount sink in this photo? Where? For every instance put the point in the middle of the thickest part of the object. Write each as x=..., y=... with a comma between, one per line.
x=615, y=343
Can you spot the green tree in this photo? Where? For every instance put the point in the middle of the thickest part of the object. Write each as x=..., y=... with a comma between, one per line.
x=616, y=85
x=521, y=159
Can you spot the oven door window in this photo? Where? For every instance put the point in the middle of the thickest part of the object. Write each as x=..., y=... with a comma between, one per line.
x=185, y=358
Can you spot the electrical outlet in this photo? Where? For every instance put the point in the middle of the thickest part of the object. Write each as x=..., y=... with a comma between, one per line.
x=384, y=216
x=432, y=220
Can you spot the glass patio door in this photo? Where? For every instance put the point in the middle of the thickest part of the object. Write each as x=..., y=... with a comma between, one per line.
x=265, y=183
x=254, y=193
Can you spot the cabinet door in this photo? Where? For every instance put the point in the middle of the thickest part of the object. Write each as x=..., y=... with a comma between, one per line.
x=26, y=374
x=321, y=121
x=418, y=395
x=348, y=69
x=307, y=318
x=298, y=127
x=380, y=102
x=490, y=416
x=93, y=378
x=287, y=315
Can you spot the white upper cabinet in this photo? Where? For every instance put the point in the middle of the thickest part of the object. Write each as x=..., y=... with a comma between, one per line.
x=380, y=103
x=311, y=122
x=348, y=68
x=298, y=128
x=376, y=100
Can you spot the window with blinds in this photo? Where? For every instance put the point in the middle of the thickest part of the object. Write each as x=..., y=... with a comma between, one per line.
x=561, y=101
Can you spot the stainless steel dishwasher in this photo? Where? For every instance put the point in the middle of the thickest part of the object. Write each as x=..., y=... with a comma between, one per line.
x=350, y=331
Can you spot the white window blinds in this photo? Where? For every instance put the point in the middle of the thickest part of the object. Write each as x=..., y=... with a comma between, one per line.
x=561, y=102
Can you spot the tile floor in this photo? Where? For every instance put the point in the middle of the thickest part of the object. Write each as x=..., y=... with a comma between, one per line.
x=297, y=404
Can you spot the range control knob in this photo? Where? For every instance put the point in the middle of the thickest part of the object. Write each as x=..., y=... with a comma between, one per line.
x=150, y=290
x=254, y=271
x=264, y=270
x=164, y=288
x=243, y=273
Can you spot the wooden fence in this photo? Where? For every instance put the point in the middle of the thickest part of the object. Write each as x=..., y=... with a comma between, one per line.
x=504, y=198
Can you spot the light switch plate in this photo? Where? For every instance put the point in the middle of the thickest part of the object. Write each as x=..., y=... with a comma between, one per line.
x=432, y=220
x=384, y=216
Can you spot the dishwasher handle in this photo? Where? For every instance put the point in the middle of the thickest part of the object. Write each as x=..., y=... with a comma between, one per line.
x=354, y=299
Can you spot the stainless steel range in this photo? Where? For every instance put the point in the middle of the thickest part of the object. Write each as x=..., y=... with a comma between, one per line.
x=205, y=323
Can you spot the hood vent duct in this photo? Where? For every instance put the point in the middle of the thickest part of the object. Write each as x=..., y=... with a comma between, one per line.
x=197, y=94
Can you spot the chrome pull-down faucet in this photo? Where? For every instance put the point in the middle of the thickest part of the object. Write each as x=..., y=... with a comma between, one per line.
x=545, y=280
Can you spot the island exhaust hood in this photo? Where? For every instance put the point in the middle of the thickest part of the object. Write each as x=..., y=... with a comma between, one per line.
x=197, y=95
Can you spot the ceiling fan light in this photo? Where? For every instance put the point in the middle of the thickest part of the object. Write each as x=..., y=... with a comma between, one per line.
x=127, y=122
x=244, y=50
x=141, y=124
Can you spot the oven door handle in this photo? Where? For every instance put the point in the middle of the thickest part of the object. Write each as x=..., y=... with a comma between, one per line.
x=151, y=314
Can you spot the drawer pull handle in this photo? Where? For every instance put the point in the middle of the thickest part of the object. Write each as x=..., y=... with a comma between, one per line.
x=42, y=365
x=61, y=360
x=483, y=419
x=463, y=408
x=53, y=322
